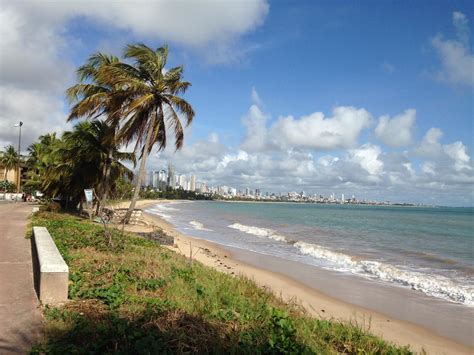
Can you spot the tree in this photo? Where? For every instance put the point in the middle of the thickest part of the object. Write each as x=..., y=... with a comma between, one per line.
x=150, y=97
x=92, y=99
x=9, y=159
x=65, y=167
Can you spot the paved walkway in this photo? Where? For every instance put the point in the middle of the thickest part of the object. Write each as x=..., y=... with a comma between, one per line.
x=20, y=316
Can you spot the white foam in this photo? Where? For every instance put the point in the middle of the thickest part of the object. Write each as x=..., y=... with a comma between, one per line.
x=259, y=232
x=433, y=285
x=199, y=226
x=320, y=252
x=162, y=211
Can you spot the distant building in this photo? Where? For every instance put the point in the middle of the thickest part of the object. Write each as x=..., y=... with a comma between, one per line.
x=192, y=183
x=171, y=176
x=154, y=179
x=162, y=180
x=182, y=181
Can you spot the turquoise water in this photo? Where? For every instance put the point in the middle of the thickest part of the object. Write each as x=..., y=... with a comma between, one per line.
x=427, y=249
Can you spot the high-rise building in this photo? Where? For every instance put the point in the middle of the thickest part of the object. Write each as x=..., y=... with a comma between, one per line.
x=342, y=198
x=154, y=179
x=171, y=176
x=162, y=180
x=192, y=186
x=182, y=181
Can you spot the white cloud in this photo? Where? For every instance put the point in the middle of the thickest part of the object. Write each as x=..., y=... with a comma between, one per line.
x=444, y=159
x=367, y=156
x=40, y=113
x=456, y=57
x=430, y=145
x=255, y=124
x=396, y=131
x=457, y=152
x=316, y=131
x=193, y=23
x=29, y=54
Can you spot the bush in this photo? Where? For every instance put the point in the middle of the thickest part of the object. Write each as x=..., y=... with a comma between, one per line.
x=7, y=186
x=51, y=206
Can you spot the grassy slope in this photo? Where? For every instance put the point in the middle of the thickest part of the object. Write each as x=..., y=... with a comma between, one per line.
x=137, y=297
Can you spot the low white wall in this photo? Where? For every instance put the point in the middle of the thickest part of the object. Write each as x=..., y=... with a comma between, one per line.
x=53, y=271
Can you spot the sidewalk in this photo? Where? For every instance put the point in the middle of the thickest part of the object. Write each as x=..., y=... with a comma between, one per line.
x=20, y=316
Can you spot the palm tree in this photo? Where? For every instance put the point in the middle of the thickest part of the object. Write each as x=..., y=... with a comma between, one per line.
x=65, y=167
x=92, y=99
x=9, y=159
x=150, y=103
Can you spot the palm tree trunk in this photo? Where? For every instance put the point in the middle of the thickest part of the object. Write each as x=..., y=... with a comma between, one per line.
x=103, y=184
x=105, y=187
x=5, y=180
x=138, y=182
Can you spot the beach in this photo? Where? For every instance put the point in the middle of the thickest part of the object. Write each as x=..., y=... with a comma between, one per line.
x=319, y=304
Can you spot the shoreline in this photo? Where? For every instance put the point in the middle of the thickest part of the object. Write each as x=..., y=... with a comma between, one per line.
x=315, y=302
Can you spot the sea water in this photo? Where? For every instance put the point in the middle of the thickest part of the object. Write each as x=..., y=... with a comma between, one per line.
x=427, y=249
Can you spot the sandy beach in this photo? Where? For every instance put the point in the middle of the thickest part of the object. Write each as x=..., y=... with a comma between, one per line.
x=314, y=302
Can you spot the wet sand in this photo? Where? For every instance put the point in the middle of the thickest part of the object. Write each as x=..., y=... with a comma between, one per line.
x=336, y=296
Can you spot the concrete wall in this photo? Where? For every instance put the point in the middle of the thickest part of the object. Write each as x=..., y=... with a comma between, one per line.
x=52, y=272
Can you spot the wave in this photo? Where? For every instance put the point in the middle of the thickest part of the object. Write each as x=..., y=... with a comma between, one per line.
x=199, y=226
x=166, y=208
x=162, y=211
x=433, y=285
x=259, y=232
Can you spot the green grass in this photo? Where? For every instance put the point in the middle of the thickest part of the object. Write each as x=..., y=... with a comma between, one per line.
x=137, y=297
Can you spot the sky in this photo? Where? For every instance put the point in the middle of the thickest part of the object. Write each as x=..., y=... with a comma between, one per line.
x=366, y=98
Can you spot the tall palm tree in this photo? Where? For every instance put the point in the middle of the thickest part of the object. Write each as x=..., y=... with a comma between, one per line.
x=92, y=99
x=150, y=97
x=9, y=159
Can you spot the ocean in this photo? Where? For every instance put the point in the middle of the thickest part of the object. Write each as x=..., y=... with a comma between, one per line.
x=428, y=250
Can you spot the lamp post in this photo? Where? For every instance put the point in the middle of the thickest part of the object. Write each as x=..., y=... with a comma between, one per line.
x=19, y=124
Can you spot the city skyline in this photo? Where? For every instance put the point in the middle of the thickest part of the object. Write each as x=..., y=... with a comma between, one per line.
x=160, y=180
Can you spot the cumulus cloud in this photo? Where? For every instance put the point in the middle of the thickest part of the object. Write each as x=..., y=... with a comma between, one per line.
x=316, y=131
x=396, y=131
x=256, y=130
x=458, y=152
x=367, y=156
x=456, y=57
x=445, y=162
x=430, y=145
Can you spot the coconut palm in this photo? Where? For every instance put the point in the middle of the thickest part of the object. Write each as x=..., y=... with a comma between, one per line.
x=150, y=97
x=9, y=159
x=92, y=99
x=84, y=154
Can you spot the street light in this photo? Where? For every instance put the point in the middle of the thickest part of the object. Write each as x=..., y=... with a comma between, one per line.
x=19, y=124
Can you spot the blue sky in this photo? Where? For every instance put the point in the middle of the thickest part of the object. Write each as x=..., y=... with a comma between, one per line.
x=289, y=95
